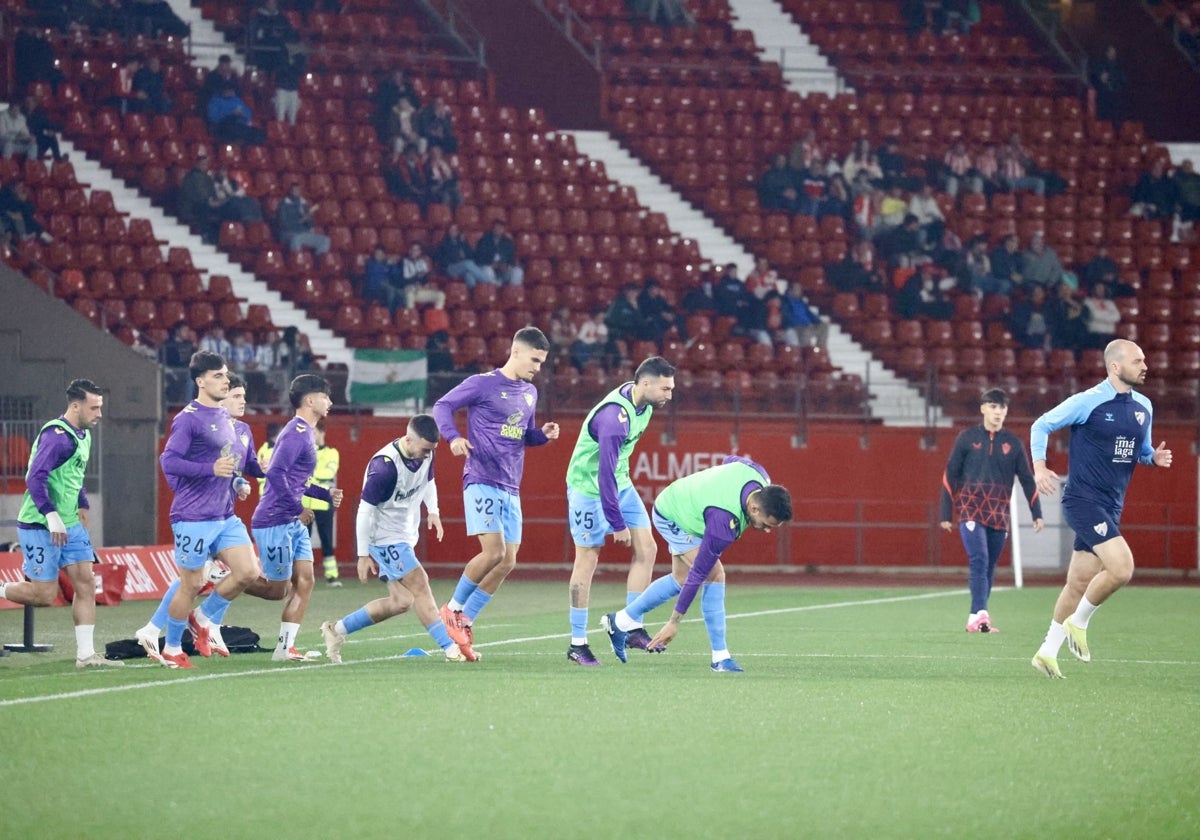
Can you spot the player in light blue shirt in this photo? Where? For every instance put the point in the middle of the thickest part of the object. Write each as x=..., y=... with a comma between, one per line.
x=1110, y=434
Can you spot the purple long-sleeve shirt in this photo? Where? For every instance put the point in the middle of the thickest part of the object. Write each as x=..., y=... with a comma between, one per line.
x=53, y=450
x=609, y=428
x=292, y=464
x=199, y=436
x=382, y=474
x=500, y=424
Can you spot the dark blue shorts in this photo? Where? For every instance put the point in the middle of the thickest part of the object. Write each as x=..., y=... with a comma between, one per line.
x=1092, y=523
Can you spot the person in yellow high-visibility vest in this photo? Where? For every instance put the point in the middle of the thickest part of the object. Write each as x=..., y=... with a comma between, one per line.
x=264, y=453
x=325, y=475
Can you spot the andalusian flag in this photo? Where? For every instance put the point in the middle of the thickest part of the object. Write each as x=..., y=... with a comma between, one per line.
x=380, y=377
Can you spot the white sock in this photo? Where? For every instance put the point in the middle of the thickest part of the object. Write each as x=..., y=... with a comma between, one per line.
x=201, y=618
x=173, y=650
x=576, y=641
x=1055, y=637
x=340, y=628
x=287, y=634
x=150, y=629
x=625, y=623
x=721, y=655
x=3, y=586
x=1083, y=613
x=454, y=606
x=85, y=645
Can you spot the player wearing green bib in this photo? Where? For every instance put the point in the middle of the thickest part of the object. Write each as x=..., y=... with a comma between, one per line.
x=602, y=500
x=53, y=519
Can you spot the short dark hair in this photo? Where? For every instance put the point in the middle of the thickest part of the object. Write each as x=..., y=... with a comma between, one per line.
x=78, y=389
x=776, y=502
x=203, y=361
x=994, y=395
x=236, y=381
x=425, y=426
x=532, y=337
x=654, y=366
x=305, y=384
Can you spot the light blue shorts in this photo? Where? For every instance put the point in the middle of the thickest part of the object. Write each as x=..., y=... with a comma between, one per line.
x=585, y=515
x=44, y=560
x=195, y=542
x=490, y=510
x=395, y=560
x=280, y=546
x=678, y=540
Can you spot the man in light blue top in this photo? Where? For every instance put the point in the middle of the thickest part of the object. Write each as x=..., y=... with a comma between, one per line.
x=1110, y=433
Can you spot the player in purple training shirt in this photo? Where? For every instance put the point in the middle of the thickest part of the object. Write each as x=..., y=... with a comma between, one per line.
x=500, y=423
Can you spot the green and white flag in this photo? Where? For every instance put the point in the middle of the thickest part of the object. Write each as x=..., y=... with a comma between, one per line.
x=381, y=377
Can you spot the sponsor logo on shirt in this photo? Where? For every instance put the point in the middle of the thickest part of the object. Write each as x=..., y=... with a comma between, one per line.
x=514, y=427
x=1006, y=448
x=1123, y=449
x=1101, y=529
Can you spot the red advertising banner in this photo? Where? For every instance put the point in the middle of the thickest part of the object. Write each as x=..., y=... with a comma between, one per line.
x=149, y=570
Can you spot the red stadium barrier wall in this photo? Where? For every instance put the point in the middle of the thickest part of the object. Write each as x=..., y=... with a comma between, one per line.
x=149, y=570
x=860, y=500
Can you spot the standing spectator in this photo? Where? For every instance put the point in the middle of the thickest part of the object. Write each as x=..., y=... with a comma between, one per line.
x=149, y=88
x=381, y=279
x=176, y=354
x=1031, y=318
x=287, y=89
x=442, y=175
x=270, y=34
x=1042, y=265
x=658, y=315
x=892, y=165
x=496, y=253
x=435, y=125
x=1110, y=82
x=1008, y=265
x=230, y=119
x=456, y=259
x=296, y=226
x=415, y=272
x=43, y=129
x=232, y=202
x=1068, y=324
x=778, y=189
x=198, y=200
x=915, y=15
x=15, y=137
x=1102, y=316
x=591, y=339
x=34, y=60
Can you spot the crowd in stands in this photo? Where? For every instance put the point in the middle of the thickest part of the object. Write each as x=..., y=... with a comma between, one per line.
x=255, y=355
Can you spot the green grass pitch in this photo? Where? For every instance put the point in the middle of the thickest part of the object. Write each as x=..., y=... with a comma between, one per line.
x=863, y=713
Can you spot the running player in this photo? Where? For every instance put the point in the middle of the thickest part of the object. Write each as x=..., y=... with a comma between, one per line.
x=602, y=500
x=700, y=515
x=501, y=405
x=53, y=520
x=1110, y=433
x=398, y=480
x=978, y=483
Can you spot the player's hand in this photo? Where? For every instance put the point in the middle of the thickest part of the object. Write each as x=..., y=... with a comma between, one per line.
x=1046, y=480
x=337, y=497
x=223, y=467
x=435, y=524
x=58, y=529
x=366, y=568
x=243, y=489
x=1162, y=455
x=946, y=526
x=1038, y=524
x=461, y=446
x=550, y=430
x=306, y=517
x=623, y=537
x=664, y=636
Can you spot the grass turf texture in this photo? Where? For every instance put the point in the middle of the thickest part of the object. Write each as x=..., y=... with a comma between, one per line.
x=862, y=713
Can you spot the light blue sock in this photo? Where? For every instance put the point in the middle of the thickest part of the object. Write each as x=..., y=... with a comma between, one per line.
x=438, y=631
x=656, y=594
x=465, y=589
x=474, y=605
x=712, y=606
x=357, y=620
x=214, y=607
x=175, y=628
x=579, y=620
x=630, y=597
x=160, y=617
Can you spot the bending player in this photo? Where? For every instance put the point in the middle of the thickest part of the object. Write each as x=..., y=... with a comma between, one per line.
x=398, y=480
x=602, y=500
x=700, y=515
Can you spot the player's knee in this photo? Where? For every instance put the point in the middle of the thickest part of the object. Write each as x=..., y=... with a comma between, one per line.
x=242, y=576
x=398, y=603
x=494, y=556
x=1122, y=574
x=507, y=563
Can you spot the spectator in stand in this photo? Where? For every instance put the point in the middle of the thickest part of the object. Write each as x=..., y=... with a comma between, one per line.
x=435, y=125
x=958, y=170
x=198, y=200
x=496, y=254
x=924, y=295
x=270, y=36
x=218, y=79
x=975, y=270
x=303, y=357
x=812, y=185
x=915, y=15
x=1101, y=316
x=442, y=177
x=18, y=221
x=270, y=351
x=391, y=90
x=892, y=165
x=1030, y=319
x=43, y=129
x=416, y=272
x=1155, y=195
x=987, y=168
x=804, y=150
x=155, y=18
x=178, y=349
x=241, y=352
x=230, y=119
x=1068, y=323
x=930, y=220
x=296, y=226
x=662, y=12
x=15, y=137
x=1101, y=269
x=232, y=202
x=456, y=258
x=764, y=280
x=658, y=314
x=214, y=341
x=124, y=99
x=734, y=300
x=1187, y=191
x=1008, y=265
x=401, y=128
x=799, y=325
x=1042, y=265
x=149, y=88
x=623, y=318
x=1111, y=84
x=838, y=201
x=699, y=299
x=381, y=279
x=861, y=158
x=857, y=272
x=901, y=246
x=563, y=332
x=591, y=339
x=407, y=177
x=287, y=89
x=892, y=209
x=34, y=60
x=779, y=188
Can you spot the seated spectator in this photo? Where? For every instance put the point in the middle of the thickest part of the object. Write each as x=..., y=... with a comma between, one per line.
x=220, y=77
x=407, y=177
x=892, y=209
x=658, y=314
x=401, y=128
x=1101, y=269
x=442, y=177
x=930, y=220
x=390, y=91
x=1008, y=265
x=296, y=226
x=124, y=98
x=734, y=300
x=987, y=169
x=804, y=150
x=778, y=189
x=1068, y=324
x=302, y=356
x=232, y=202
x=270, y=351
x=43, y=129
x=270, y=35
x=901, y=246
x=15, y=137
x=591, y=339
x=149, y=89
x=214, y=341
x=1042, y=265
x=975, y=272
x=438, y=358
x=799, y=325
x=1155, y=193
x=923, y=296
x=764, y=280
x=496, y=254
x=861, y=158
x=287, y=89
x=416, y=272
x=435, y=125
x=1101, y=316
x=197, y=204
x=18, y=222
x=1030, y=320
x=563, y=332
x=857, y=272
x=699, y=299
x=1187, y=191
x=176, y=354
x=812, y=185
x=230, y=119
x=381, y=279
x=241, y=352
x=892, y=165
x=623, y=318
x=838, y=201
x=456, y=259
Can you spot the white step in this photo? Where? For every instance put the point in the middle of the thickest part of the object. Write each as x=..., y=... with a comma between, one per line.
x=805, y=69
